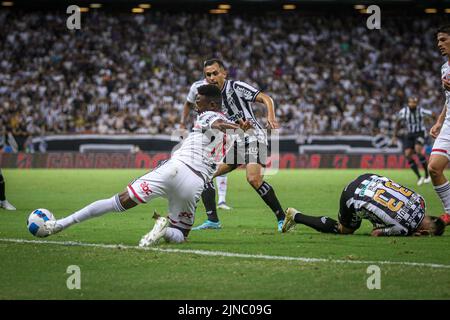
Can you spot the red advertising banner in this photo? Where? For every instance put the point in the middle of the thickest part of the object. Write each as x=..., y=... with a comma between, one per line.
x=66, y=160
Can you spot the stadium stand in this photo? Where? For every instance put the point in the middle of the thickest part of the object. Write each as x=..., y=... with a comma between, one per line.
x=130, y=74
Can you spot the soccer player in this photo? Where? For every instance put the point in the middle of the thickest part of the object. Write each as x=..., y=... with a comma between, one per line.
x=222, y=181
x=412, y=117
x=237, y=97
x=394, y=210
x=181, y=179
x=440, y=154
x=3, y=202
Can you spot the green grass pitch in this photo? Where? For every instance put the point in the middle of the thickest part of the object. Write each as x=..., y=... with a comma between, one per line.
x=34, y=270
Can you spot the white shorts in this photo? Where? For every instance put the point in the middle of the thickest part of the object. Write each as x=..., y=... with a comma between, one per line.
x=177, y=183
x=441, y=145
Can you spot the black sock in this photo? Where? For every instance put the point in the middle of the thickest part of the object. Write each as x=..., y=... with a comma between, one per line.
x=424, y=163
x=268, y=195
x=413, y=166
x=321, y=224
x=209, y=200
x=2, y=188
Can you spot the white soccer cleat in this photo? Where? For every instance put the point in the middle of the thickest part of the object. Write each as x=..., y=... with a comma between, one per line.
x=51, y=227
x=289, y=221
x=6, y=205
x=153, y=237
x=427, y=180
x=223, y=206
x=420, y=181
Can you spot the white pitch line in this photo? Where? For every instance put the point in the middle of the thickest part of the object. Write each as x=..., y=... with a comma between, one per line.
x=227, y=254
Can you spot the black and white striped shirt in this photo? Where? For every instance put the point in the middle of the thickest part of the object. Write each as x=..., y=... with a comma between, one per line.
x=414, y=119
x=388, y=205
x=237, y=97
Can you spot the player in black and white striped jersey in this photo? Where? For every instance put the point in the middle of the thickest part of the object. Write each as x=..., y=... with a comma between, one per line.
x=412, y=118
x=393, y=210
x=237, y=99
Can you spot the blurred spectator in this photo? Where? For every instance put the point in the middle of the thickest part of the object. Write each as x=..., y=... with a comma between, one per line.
x=127, y=73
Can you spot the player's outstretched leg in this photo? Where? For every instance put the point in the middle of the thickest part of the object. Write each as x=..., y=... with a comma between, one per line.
x=415, y=169
x=118, y=203
x=3, y=202
x=322, y=224
x=418, y=148
x=209, y=200
x=265, y=191
x=424, y=163
x=222, y=192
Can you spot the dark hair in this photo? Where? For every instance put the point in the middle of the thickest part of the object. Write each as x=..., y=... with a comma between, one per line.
x=212, y=92
x=439, y=226
x=210, y=62
x=444, y=29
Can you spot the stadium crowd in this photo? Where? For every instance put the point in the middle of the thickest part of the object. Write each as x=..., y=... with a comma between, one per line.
x=124, y=73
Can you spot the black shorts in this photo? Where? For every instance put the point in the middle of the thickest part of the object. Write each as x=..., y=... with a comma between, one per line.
x=411, y=139
x=347, y=215
x=245, y=153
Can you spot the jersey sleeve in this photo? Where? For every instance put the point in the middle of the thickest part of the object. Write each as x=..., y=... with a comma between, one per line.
x=445, y=73
x=192, y=93
x=245, y=91
x=206, y=119
x=400, y=115
x=395, y=230
x=427, y=112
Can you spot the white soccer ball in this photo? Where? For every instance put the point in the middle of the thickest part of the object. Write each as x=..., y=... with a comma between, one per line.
x=37, y=219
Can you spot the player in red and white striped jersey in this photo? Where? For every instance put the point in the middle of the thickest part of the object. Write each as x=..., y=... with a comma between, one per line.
x=440, y=154
x=181, y=179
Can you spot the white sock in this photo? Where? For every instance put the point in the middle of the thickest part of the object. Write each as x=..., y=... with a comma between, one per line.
x=95, y=209
x=174, y=235
x=443, y=192
x=222, y=188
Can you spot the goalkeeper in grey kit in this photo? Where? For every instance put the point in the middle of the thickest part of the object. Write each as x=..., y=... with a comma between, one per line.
x=393, y=209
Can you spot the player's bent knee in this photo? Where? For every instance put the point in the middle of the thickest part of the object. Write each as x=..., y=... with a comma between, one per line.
x=126, y=201
x=255, y=180
x=435, y=169
x=175, y=235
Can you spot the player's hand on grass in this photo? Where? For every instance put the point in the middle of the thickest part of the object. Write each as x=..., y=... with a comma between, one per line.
x=435, y=130
x=377, y=233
